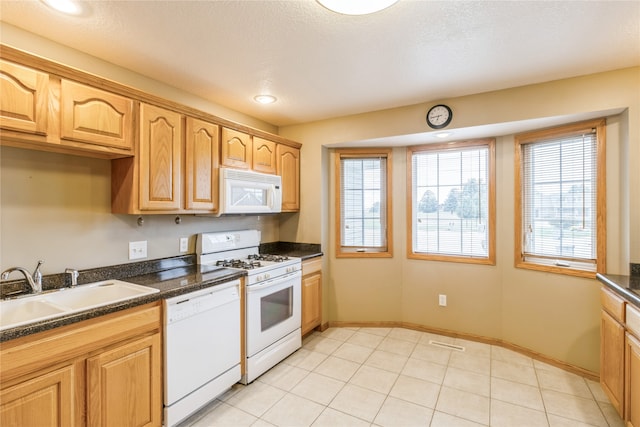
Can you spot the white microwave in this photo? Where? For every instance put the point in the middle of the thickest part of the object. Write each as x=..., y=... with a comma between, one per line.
x=248, y=192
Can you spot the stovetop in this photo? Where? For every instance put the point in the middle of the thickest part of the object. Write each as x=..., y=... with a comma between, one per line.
x=253, y=261
x=240, y=250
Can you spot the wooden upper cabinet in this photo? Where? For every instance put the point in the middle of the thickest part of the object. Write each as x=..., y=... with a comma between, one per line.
x=288, y=167
x=24, y=98
x=264, y=155
x=94, y=116
x=160, y=158
x=201, y=165
x=236, y=149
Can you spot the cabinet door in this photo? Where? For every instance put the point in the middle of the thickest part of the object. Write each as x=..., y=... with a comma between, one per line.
x=612, y=360
x=264, y=155
x=159, y=157
x=123, y=385
x=94, y=116
x=288, y=167
x=44, y=400
x=632, y=381
x=311, y=302
x=201, y=166
x=24, y=100
x=236, y=149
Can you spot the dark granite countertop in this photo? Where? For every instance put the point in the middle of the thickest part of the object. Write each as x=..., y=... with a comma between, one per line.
x=171, y=282
x=300, y=250
x=171, y=276
x=626, y=286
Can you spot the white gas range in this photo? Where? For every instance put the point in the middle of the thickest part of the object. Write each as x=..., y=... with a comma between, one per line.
x=272, y=298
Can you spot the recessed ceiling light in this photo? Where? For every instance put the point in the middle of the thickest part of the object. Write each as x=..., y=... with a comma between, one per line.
x=70, y=7
x=265, y=99
x=356, y=7
x=443, y=134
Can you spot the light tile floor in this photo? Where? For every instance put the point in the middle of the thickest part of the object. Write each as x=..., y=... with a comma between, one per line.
x=395, y=377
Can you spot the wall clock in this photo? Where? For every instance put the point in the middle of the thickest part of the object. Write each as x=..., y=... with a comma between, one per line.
x=439, y=116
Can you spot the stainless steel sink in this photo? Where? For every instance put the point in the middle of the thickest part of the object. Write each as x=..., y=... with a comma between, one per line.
x=38, y=307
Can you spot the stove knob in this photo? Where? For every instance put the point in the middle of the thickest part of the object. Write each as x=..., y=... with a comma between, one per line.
x=267, y=276
x=259, y=278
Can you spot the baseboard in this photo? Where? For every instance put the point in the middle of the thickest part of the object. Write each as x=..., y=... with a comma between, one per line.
x=471, y=337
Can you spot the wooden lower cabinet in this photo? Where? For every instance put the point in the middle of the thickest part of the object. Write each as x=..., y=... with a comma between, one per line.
x=632, y=381
x=311, y=294
x=46, y=399
x=612, y=360
x=105, y=371
x=620, y=355
x=123, y=388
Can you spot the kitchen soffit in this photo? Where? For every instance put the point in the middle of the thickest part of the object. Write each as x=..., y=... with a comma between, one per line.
x=321, y=64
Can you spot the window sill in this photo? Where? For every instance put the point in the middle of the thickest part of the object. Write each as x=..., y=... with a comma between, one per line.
x=364, y=254
x=452, y=258
x=556, y=270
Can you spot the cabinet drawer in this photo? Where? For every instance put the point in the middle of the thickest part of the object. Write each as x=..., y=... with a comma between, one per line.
x=311, y=266
x=613, y=304
x=633, y=320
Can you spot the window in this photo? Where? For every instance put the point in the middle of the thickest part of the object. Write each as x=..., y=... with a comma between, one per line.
x=452, y=202
x=560, y=199
x=363, y=205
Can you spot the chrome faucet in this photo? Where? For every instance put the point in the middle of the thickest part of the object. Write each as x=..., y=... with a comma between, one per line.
x=34, y=280
x=74, y=275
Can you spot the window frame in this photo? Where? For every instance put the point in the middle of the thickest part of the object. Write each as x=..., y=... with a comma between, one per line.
x=490, y=143
x=545, y=135
x=363, y=251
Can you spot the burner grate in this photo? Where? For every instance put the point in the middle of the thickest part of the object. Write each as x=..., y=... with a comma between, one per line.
x=239, y=263
x=268, y=257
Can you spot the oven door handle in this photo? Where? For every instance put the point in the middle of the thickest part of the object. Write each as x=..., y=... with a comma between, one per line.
x=273, y=282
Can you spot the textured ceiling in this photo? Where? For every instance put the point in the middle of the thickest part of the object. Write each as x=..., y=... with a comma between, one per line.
x=321, y=65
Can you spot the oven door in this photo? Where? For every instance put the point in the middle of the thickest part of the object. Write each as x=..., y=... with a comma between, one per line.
x=273, y=311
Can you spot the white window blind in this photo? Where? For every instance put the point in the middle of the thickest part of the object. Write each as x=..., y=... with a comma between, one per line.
x=363, y=203
x=559, y=201
x=450, y=201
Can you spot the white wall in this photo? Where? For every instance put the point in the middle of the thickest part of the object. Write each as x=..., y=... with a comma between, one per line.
x=555, y=315
x=57, y=208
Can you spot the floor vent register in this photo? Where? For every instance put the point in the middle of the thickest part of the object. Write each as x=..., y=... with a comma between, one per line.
x=446, y=345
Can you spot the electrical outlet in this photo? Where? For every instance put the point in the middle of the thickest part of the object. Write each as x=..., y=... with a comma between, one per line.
x=138, y=250
x=442, y=300
x=184, y=244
